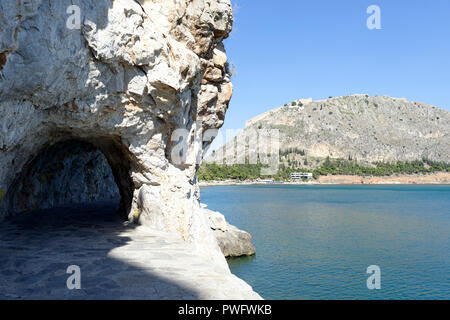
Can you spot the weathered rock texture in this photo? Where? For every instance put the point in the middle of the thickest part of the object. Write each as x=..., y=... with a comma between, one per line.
x=232, y=241
x=133, y=73
x=360, y=127
x=76, y=173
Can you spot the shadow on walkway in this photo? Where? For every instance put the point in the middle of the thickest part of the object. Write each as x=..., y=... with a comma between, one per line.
x=36, y=249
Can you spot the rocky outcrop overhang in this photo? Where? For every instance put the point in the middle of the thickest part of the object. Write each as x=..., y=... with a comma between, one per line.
x=124, y=80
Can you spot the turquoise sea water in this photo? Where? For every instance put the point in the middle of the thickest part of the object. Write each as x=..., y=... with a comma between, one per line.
x=316, y=242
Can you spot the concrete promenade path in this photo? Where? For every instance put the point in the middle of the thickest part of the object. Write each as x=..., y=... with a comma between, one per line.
x=115, y=261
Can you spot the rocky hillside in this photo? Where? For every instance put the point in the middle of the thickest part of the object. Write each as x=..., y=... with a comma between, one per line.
x=357, y=127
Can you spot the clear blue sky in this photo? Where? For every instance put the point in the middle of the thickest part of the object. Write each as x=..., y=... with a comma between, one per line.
x=290, y=49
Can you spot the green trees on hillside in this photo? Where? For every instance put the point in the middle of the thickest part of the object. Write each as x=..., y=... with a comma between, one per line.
x=347, y=167
x=212, y=171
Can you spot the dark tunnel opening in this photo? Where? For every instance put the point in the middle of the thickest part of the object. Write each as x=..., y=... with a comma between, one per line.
x=73, y=173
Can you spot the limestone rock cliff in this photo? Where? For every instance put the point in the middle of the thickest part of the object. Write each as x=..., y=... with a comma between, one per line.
x=121, y=82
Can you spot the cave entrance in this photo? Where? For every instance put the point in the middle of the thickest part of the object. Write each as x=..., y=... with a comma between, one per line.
x=74, y=173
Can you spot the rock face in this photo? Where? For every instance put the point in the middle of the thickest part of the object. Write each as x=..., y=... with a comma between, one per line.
x=121, y=83
x=360, y=127
x=76, y=173
x=232, y=241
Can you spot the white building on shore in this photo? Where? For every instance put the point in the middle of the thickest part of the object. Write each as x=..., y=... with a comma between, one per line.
x=301, y=175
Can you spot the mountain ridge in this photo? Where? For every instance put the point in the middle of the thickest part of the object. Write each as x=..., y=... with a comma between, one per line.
x=357, y=127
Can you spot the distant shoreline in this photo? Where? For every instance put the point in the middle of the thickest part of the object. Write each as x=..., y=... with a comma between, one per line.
x=415, y=179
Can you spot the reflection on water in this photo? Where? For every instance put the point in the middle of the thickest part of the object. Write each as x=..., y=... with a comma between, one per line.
x=316, y=242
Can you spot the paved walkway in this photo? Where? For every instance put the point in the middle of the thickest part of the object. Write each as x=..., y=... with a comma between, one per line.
x=116, y=261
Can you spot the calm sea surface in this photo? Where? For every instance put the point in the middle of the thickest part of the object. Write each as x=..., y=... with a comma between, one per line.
x=316, y=242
